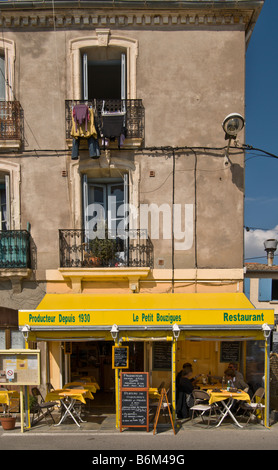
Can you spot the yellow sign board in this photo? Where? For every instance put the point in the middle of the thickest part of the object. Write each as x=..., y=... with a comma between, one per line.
x=148, y=317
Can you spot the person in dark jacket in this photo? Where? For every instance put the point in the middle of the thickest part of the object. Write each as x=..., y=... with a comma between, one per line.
x=184, y=391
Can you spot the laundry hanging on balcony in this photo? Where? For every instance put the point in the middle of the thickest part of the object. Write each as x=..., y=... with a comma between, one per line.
x=83, y=126
x=113, y=125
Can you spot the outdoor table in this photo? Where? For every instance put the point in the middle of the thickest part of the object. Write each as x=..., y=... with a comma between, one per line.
x=153, y=393
x=202, y=386
x=68, y=398
x=227, y=399
x=6, y=396
x=91, y=386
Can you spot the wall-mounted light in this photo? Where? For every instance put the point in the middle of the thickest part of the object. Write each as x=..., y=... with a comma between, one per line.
x=267, y=330
x=232, y=125
x=114, y=331
x=176, y=331
x=25, y=331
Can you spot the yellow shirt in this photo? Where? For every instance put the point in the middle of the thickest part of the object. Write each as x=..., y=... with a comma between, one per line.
x=80, y=130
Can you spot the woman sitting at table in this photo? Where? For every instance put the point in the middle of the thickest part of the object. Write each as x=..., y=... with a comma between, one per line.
x=185, y=390
x=237, y=381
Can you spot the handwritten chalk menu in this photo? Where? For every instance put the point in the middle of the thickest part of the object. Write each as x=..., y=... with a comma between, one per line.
x=120, y=357
x=162, y=355
x=134, y=400
x=20, y=367
x=230, y=351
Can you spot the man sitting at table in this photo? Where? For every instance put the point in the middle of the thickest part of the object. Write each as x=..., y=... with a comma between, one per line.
x=237, y=381
x=234, y=366
x=185, y=393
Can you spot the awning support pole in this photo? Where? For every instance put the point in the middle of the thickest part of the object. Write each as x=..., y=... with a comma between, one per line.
x=266, y=381
x=174, y=349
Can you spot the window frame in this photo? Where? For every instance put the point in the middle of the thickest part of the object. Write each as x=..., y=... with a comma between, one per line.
x=102, y=38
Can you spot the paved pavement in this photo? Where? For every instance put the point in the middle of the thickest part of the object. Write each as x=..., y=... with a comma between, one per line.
x=100, y=434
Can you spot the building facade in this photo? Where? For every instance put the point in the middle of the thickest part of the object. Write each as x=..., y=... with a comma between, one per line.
x=116, y=183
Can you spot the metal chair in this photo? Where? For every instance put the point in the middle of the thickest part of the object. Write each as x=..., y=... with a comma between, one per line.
x=201, y=406
x=254, y=407
x=40, y=408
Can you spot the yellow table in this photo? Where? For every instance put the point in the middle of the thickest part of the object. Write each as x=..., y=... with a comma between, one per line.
x=68, y=398
x=91, y=386
x=153, y=393
x=227, y=399
x=6, y=396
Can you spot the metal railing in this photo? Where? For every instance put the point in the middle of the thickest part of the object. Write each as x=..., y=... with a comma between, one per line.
x=15, y=249
x=134, y=121
x=132, y=249
x=11, y=120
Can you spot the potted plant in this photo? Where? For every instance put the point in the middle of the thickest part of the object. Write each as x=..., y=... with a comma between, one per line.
x=8, y=421
x=103, y=250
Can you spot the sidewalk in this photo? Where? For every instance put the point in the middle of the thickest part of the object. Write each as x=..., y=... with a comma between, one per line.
x=105, y=422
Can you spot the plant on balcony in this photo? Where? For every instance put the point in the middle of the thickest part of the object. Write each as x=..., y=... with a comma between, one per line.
x=103, y=250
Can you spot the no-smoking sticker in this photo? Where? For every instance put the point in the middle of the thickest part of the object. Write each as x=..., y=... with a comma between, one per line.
x=10, y=373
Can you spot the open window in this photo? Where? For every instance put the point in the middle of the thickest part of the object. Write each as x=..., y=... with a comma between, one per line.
x=104, y=73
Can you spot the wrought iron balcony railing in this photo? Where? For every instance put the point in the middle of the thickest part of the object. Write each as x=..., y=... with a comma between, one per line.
x=11, y=121
x=134, y=115
x=133, y=249
x=15, y=249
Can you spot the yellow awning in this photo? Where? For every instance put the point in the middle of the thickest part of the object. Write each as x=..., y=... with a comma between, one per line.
x=84, y=312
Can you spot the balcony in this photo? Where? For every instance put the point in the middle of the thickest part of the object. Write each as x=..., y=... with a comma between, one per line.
x=129, y=259
x=14, y=249
x=134, y=120
x=11, y=125
x=134, y=249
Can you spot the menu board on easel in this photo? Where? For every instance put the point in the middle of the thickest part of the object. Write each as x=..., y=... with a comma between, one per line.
x=134, y=400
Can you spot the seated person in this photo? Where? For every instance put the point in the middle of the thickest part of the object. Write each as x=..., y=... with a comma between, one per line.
x=237, y=381
x=234, y=366
x=185, y=388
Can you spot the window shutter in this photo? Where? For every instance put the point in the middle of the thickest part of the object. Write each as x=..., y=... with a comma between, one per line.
x=123, y=77
x=247, y=287
x=85, y=203
x=2, y=79
x=126, y=239
x=265, y=290
x=85, y=77
x=8, y=205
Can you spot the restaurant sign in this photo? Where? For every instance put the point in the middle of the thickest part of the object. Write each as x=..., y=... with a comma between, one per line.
x=149, y=317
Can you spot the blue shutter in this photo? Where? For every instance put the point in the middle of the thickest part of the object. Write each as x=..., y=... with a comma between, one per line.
x=265, y=290
x=247, y=287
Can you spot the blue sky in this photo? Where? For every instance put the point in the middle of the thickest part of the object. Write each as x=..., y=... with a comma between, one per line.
x=261, y=182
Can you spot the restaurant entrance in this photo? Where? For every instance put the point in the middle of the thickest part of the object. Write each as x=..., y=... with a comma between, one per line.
x=94, y=359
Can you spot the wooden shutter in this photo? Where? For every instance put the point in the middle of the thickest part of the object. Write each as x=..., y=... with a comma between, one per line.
x=265, y=290
x=85, y=77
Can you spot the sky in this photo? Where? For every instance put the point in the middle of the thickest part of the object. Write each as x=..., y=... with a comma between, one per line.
x=261, y=114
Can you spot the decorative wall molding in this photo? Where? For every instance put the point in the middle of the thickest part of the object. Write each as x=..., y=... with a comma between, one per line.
x=111, y=19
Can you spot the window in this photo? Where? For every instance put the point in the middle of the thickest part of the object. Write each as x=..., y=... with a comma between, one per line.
x=4, y=202
x=103, y=201
x=2, y=77
x=268, y=289
x=7, y=59
x=104, y=76
x=102, y=59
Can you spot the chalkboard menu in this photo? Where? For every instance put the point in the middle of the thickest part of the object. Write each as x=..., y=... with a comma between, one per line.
x=134, y=400
x=120, y=357
x=230, y=351
x=162, y=355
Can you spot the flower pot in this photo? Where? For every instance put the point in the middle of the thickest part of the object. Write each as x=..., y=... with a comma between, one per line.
x=8, y=422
